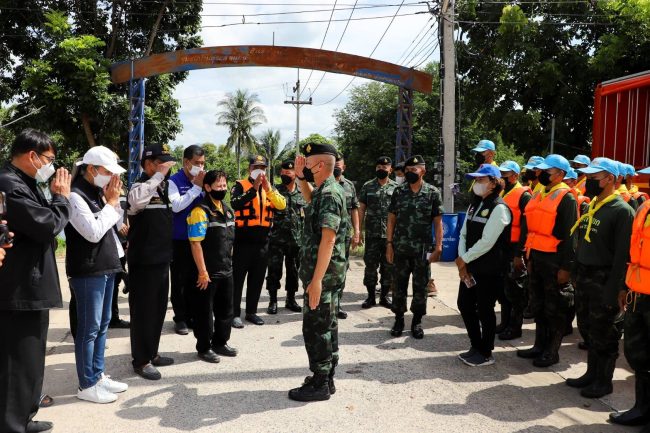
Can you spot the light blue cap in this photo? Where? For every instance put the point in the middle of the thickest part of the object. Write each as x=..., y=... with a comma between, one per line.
x=485, y=170
x=510, y=166
x=644, y=171
x=630, y=171
x=601, y=164
x=533, y=162
x=581, y=159
x=555, y=161
x=571, y=174
x=484, y=145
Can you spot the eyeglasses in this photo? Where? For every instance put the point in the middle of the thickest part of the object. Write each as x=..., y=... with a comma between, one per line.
x=50, y=159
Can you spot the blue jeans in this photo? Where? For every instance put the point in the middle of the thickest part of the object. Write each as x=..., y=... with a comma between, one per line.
x=94, y=299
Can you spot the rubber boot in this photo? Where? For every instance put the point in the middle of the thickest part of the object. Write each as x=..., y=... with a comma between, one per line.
x=540, y=342
x=398, y=327
x=514, y=327
x=505, y=320
x=602, y=386
x=589, y=376
x=314, y=389
x=273, y=302
x=550, y=355
x=370, y=300
x=416, y=327
x=384, y=300
x=640, y=413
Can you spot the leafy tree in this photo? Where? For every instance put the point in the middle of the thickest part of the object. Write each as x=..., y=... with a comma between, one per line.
x=269, y=144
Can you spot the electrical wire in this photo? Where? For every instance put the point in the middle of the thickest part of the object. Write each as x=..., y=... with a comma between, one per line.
x=424, y=47
x=426, y=56
x=321, y=47
x=421, y=34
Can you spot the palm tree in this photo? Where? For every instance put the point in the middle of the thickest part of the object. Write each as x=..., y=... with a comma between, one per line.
x=240, y=113
x=270, y=143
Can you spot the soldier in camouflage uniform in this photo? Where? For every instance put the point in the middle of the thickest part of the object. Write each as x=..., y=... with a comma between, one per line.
x=414, y=206
x=375, y=197
x=322, y=269
x=284, y=241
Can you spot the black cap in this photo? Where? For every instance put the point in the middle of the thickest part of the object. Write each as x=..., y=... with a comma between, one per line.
x=383, y=160
x=311, y=149
x=157, y=151
x=339, y=156
x=414, y=160
x=398, y=167
x=288, y=165
x=258, y=160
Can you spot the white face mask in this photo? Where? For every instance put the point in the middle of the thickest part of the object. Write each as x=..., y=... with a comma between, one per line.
x=480, y=189
x=195, y=170
x=255, y=173
x=101, y=180
x=399, y=179
x=45, y=172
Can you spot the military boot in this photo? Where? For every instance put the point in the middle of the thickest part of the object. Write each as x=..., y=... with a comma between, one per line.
x=370, y=301
x=505, y=321
x=540, y=342
x=330, y=380
x=640, y=413
x=550, y=355
x=314, y=389
x=273, y=302
x=589, y=376
x=384, y=300
x=291, y=303
x=398, y=327
x=602, y=385
x=514, y=327
x=416, y=327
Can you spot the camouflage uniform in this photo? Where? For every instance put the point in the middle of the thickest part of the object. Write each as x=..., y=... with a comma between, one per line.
x=351, y=203
x=412, y=239
x=376, y=198
x=284, y=243
x=320, y=327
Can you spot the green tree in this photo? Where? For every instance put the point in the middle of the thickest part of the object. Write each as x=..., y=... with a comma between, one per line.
x=240, y=113
x=269, y=143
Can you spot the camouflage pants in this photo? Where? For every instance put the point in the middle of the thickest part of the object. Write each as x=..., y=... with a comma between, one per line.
x=279, y=253
x=599, y=316
x=374, y=257
x=637, y=333
x=550, y=301
x=516, y=291
x=320, y=331
x=339, y=290
x=404, y=266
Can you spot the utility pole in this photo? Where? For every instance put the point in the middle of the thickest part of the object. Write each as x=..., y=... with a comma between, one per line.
x=448, y=72
x=553, y=135
x=297, y=103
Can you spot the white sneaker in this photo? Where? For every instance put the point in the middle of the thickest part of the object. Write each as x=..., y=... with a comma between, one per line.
x=96, y=394
x=111, y=385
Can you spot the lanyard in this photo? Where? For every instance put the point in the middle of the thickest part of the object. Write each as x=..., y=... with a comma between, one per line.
x=594, y=206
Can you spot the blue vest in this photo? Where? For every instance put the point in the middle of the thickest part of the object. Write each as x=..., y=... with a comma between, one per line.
x=180, y=219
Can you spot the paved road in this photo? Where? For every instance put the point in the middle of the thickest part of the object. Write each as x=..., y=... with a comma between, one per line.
x=384, y=384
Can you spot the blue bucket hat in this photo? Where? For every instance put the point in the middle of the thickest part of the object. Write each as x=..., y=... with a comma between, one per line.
x=601, y=164
x=555, y=161
x=484, y=145
x=581, y=159
x=485, y=170
x=510, y=166
x=571, y=174
x=533, y=162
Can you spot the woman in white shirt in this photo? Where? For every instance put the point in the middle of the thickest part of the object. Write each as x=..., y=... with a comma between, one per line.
x=482, y=263
x=93, y=253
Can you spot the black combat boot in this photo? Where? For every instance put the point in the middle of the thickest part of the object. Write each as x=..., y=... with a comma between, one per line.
x=640, y=413
x=602, y=385
x=571, y=314
x=314, y=389
x=514, y=327
x=505, y=320
x=589, y=376
x=540, y=342
x=398, y=327
x=550, y=355
x=416, y=327
x=291, y=303
x=384, y=300
x=370, y=300
x=273, y=302
x=330, y=378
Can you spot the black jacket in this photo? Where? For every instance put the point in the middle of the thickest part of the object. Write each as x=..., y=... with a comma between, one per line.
x=29, y=279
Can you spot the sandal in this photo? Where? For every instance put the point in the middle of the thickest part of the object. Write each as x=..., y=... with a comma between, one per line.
x=46, y=401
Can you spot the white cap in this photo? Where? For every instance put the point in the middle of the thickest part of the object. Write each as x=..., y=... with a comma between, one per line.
x=104, y=157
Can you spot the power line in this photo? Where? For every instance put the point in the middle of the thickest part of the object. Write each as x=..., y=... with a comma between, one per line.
x=426, y=56
x=421, y=34
x=422, y=49
x=321, y=45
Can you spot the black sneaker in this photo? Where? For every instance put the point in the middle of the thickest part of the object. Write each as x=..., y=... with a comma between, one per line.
x=478, y=360
x=466, y=355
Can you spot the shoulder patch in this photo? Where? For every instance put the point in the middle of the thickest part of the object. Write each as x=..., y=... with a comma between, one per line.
x=485, y=212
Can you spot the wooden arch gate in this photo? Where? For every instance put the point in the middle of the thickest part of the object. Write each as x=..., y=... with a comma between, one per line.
x=135, y=71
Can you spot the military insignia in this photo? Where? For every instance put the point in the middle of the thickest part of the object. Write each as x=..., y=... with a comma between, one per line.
x=165, y=148
x=259, y=158
x=308, y=148
x=415, y=160
x=290, y=165
x=485, y=212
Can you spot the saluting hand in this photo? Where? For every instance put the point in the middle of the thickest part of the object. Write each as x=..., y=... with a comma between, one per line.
x=61, y=183
x=163, y=168
x=314, y=291
x=299, y=165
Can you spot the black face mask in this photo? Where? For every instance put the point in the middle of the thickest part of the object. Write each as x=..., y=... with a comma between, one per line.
x=530, y=175
x=411, y=177
x=218, y=195
x=382, y=174
x=544, y=178
x=510, y=185
x=479, y=159
x=593, y=188
x=286, y=180
x=309, y=175
x=337, y=171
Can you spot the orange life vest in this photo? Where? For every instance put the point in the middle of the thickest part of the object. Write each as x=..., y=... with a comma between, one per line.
x=638, y=272
x=580, y=198
x=256, y=212
x=541, y=212
x=640, y=194
x=512, y=200
x=582, y=186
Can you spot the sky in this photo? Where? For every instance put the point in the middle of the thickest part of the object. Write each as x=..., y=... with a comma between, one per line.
x=199, y=94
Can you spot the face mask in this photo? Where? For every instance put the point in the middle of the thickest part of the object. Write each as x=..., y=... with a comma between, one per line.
x=256, y=173
x=101, y=180
x=530, y=175
x=45, y=172
x=195, y=170
x=382, y=174
x=286, y=180
x=479, y=159
x=412, y=177
x=480, y=189
x=399, y=179
x=337, y=171
x=593, y=188
x=218, y=195
x=309, y=174
x=545, y=178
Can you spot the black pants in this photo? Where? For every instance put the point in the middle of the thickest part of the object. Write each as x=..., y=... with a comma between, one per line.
x=148, y=297
x=183, y=274
x=251, y=259
x=476, y=306
x=215, y=299
x=23, y=336
x=120, y=276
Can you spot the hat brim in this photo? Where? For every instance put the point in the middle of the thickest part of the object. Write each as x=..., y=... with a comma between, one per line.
x=163, y=158
x=644, y=171
x=506, y=169
x=592, y=170
x=475, y=175
x=480, y=149
x=543, y=166
x=115, y=168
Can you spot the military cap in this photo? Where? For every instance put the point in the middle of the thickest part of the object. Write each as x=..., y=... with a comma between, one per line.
x=339, y=156
x=288, y=165
x=383, y=160
x=414, y=160
x=157, y=151
x=311, y=149
x=398, y=167
x=258, y=160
